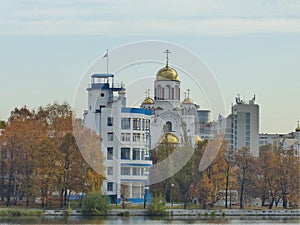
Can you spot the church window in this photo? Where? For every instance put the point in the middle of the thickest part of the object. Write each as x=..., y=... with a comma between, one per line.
x=159, y=92
x=169, y=126
x=168, y=92
x=172, y=94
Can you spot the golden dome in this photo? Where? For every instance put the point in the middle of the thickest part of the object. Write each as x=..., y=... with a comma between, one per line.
x=170, y=138
x=148, y=100
x=188, y=101
x=167, y=73
x=297, y=129
x=198, y=139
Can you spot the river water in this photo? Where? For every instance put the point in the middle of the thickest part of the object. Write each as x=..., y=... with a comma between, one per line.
x=136, y=220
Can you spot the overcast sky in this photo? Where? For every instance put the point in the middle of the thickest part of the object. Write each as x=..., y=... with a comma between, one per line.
x=252, y=47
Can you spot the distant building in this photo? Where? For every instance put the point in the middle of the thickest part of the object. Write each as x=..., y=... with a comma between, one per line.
x=244, y=123
x=265, y=139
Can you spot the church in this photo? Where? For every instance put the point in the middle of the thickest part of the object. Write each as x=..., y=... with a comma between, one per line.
x=129, y=134
x=171, y=117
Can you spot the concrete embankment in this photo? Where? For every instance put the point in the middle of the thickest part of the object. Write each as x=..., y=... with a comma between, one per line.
x=187, y=212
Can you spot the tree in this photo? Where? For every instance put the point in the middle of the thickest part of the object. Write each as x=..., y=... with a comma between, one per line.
x=244, y=163
x=95, y=204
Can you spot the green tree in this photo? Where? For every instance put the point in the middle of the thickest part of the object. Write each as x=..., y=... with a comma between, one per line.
x=156, y=206
x=95, y=204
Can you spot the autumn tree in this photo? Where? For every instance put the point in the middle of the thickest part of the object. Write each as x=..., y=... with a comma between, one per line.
x=244, y=162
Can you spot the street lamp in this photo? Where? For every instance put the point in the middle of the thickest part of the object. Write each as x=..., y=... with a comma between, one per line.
x=172, y=185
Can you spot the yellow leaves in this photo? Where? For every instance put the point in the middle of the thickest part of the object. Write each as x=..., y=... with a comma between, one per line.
x=94, y=181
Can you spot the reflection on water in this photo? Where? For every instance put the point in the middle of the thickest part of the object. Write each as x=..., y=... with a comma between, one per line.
x=146, y=220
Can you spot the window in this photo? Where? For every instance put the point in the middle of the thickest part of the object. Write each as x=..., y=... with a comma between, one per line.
x=136, y=154
x=110, y=186
x=125, y=153
x=143, y=124
x=168, y=92
x=110, y=153
x=125, y=137
x=109, y=121
x=136, y=124
x=169, y=126
x=172, y=95
x=125, y=170
x=110, y=170
x=136, y=137
x=136, y=191
x=147, y=124
x=136, y=171
x=110, y=136
x=125, y=123
x=142, y=154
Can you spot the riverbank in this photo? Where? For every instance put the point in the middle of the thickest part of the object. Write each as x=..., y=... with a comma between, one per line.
x=143, y=212
x=187, y=212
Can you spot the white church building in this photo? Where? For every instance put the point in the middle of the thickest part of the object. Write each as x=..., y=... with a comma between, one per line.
x=128, y=134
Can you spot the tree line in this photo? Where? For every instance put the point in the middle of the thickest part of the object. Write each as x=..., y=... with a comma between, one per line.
x=40, y=159
x=236, y=179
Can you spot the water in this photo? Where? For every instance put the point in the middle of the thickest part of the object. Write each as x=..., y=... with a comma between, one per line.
x=146, y=220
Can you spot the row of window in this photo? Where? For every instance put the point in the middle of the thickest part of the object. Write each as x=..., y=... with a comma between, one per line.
x=137, y=124
x=127, y=153
x=126, y=137
x=167, y=92
x=135, y=171
x=137, y=191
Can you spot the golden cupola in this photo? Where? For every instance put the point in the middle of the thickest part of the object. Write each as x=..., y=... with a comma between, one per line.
x=298, y=127
x=167, y=73
x=170, y=138
x=198, y=139
x=187, y=99
x=148, y=100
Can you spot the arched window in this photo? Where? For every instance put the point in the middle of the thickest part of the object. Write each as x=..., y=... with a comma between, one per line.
x=169, y=126
x=168, y=91
x=172, y=94
x=176, y=92
x=159, y=92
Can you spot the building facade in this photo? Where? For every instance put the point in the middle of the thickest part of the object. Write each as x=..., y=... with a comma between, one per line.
x=125, y=136
x=244, y=122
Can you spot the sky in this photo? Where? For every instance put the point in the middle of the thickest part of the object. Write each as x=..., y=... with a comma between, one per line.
x=251, y=47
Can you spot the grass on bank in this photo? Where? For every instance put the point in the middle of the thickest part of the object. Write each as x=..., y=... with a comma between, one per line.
x=20, y=212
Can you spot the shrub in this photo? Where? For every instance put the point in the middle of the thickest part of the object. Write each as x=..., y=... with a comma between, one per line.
x=95, y=204
x=156, y=207
x=213, y=214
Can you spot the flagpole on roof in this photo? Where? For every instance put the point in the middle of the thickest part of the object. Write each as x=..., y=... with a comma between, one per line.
x=106, y=56
x=107, y=61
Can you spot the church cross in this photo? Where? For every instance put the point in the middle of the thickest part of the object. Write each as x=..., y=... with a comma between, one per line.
x=188, y=93
x=167, y=52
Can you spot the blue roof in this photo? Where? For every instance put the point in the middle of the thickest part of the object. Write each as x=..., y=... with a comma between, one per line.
x=137, y=164
x=137, y=110
x=102, y=75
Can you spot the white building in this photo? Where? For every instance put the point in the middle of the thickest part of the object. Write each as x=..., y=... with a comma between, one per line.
x=171, y=117
x=125, y=136
x=244, y=125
